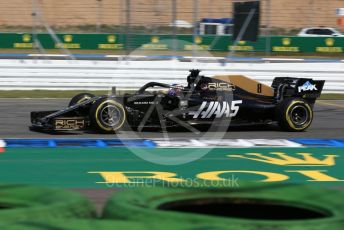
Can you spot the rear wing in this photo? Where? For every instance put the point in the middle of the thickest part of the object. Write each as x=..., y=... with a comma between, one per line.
x=297, y=87
x=309, y=88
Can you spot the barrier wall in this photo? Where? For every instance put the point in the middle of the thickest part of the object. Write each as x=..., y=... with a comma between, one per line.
x=130, y=75
x=165, y=42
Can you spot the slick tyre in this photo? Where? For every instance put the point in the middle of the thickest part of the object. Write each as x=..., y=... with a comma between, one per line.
x=274, y=207
x=81, y=97
x=19, y=203
x=294, y=114
x=107, y=115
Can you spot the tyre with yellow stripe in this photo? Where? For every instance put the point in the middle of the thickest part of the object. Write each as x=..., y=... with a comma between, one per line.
x=81, y=97
x=107, y=115
x=294, y=114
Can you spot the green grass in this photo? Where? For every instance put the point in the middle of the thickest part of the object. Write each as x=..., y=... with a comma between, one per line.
x=332, y=96
x=71, y=93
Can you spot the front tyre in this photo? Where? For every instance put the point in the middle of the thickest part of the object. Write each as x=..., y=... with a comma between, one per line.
x=79, y=98
x=294, y=114
x=107, y=115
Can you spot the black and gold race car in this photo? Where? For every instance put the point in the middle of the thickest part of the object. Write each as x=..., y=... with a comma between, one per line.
x=217, y=101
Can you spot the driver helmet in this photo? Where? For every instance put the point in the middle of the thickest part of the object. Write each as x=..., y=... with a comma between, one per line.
x=175, y=90
x=204, y=86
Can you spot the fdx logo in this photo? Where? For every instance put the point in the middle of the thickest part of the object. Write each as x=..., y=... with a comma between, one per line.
x=275, y=158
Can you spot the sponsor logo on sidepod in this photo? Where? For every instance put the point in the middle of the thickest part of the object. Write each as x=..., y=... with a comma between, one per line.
x=219, y=109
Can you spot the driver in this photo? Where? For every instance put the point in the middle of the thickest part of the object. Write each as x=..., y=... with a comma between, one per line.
x=175, y=90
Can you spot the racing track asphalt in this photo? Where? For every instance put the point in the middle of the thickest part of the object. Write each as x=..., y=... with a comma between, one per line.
x=15, y=119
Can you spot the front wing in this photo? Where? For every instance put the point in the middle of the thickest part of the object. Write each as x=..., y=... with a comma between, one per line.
x=62, y=120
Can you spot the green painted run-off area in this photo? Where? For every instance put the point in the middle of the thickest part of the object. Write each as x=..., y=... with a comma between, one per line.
x=70, y=167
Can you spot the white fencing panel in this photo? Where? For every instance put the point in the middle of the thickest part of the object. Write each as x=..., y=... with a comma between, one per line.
x=102, y=75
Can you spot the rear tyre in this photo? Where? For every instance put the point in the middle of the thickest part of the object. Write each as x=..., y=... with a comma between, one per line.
x=107, y=115
x=294, y=114
x=79, y=98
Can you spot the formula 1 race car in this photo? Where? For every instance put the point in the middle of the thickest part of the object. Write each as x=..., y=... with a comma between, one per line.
x=217, y=100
